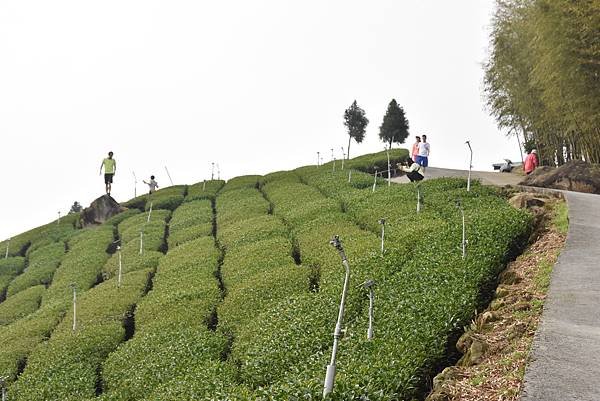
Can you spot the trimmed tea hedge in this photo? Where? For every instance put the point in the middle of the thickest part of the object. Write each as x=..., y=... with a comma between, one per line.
x=9, y=269
x=42, y=263
x=66, y=366
x=20, y=337
x=82, y=265
x=21, y=305
x=190, y=221
x=240, y=204
x=204, y=190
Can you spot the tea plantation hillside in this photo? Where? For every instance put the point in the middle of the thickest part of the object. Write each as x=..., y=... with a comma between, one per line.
x=230, y=290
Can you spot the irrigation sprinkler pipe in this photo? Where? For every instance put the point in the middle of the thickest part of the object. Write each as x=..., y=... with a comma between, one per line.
x=74, y=287
x=470, y=166
x=349, y=176
x=218, y=172
x=318, y=159
x=464, y=230
x=343, y=157
x=141, y=242
x=334, y=164
x=418, y=198
x=382, y=222
x=330, y=373
x=375, y=181
x=204, y=185
x=134, y=185
x=58, y=221
x=149, y=213
x=168, y=175
x=7, y=246
x=3, y=385
x=212, y=171
x=120, y=268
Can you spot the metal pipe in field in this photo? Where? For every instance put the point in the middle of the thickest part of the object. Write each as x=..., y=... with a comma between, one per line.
x=387, y=151
x=120, y=268
x=375, y=181
x=74, y=287
x=7, y=246
x=382, y=223
x=349, y=176
x=330, y=373
x=168, y=175
x=149, y=213
x=470, y=166
x=141, y=242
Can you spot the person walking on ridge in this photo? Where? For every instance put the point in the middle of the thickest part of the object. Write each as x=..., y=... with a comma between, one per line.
x=423, y=156
x=531, y=162
x=152, y=184
x=415, y=148
x=110, y=168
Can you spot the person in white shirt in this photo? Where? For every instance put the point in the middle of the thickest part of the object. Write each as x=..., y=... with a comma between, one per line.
x=152, y=184
x=423, y=156
x=413, y=171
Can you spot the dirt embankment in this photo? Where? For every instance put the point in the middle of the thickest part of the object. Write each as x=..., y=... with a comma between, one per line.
x=575, y=175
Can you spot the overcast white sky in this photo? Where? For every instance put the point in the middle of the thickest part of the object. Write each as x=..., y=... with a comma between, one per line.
x=256, y=86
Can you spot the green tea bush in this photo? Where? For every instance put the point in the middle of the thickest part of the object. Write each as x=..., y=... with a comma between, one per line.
x=247, y=231
x=167, y=198
x=240, y=204
x=280, y=176
x=66, y=366
x=20, y=337
x=204, y=190
x=42, y=263
x=81, y=265
x=190, y=221
x=131, y=260
x=243, y=181
x=21, y=305
x=118, y=218
x=370, y=162
x=171, y=324
x=9, y=269
x=153, y=231
x=41, y=236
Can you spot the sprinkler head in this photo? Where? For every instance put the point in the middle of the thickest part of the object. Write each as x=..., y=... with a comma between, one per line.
x=381, y=221
x=458, y=204
x=335, y=242
x=368, y=284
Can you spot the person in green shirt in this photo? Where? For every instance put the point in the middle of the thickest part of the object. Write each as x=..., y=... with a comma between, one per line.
x=110, y=167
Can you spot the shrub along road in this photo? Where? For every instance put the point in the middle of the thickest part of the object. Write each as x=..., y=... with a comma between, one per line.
x=565, y=358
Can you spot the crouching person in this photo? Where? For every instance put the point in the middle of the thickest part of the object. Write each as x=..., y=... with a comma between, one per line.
x=413, y=171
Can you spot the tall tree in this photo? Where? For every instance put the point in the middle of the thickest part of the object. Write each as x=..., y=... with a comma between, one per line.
x=356, y=122
x=394, y=127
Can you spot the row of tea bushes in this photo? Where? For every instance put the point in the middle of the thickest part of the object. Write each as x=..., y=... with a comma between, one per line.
x=171, y=325
x=190, y=221
x=9, y=269
x=66, y=366
x=21, y=304
x=204, y=190
x=42, y=263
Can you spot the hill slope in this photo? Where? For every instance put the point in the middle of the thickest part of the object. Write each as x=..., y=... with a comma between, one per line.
x=236, y=290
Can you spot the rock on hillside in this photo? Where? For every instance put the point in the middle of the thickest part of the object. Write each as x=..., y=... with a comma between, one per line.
x=575, y=175
x=100, y=210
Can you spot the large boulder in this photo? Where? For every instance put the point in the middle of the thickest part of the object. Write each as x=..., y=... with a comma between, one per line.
x=100, y=210
x=575, y=175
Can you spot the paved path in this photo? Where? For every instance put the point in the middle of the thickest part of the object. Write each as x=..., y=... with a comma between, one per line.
x=565, y=358
x=486, y=177
x=566, y=350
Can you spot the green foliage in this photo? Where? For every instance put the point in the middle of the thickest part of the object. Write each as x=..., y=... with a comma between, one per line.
x=238, y=233
x=9, y=269
x=42, y=263
x=244, y=181
x=66, y=366
x=541, y=79
x=204, y=190
x=239, y=204
x=356, y=123
x=20, y=337
x=394, y=127
x=167, y=198
x=82, y=265
x=170, y=325
x=153, y=231
x=21, y=305
x=190, y=221
x=118, y=218
x=376, y=161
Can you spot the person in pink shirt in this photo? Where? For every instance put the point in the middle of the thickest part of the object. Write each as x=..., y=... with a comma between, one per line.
x=531, y=162
x=415, y=148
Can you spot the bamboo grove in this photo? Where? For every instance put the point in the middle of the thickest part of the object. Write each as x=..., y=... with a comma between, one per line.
x=542, y=78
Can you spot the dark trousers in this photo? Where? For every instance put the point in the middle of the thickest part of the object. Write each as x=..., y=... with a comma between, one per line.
x=414, y=176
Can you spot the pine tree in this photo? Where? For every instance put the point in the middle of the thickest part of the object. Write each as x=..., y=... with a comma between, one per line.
x=394, y=127
x=356, y=122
